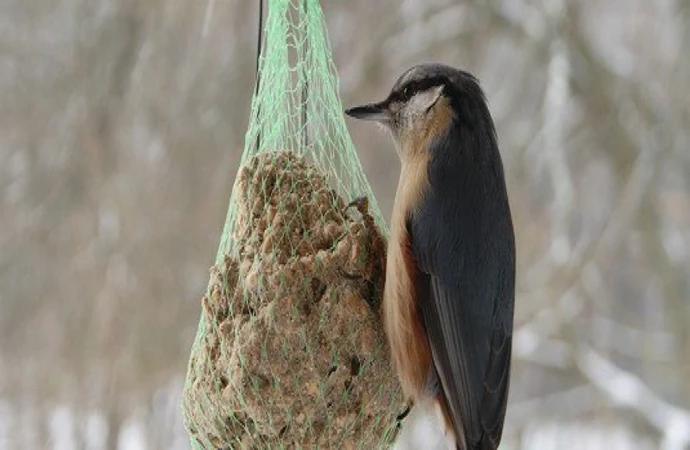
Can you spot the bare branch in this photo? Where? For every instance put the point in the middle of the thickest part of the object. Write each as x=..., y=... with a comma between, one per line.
x=625, y=389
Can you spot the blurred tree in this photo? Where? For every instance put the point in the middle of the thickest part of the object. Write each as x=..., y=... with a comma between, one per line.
x=121, y=125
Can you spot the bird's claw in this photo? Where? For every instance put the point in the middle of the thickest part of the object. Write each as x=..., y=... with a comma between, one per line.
x=360, y=203
x=400, y=417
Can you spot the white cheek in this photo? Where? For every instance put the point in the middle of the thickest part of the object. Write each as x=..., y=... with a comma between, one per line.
x=410, y=117
x=415, y=106
x=412, y=112
x=421, y=102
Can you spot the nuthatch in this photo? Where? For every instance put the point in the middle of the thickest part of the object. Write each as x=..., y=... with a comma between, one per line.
x=450, y=272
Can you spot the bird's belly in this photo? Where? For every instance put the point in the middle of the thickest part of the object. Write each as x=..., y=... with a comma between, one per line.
x=408, y=342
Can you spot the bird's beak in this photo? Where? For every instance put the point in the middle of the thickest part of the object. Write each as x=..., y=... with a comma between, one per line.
x=377, y=112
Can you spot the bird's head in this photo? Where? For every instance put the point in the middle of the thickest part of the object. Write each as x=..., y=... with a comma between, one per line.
x=423, y=103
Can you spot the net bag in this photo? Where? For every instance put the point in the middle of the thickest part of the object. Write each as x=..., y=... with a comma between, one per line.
x=290, y=350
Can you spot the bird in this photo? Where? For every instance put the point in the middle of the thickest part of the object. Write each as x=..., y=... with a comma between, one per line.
x=449, y=286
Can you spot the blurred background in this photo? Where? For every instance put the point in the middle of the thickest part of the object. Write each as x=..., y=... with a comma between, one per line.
x=121, y=127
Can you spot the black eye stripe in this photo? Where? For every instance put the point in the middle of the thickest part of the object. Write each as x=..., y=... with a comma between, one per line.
x=408, y=90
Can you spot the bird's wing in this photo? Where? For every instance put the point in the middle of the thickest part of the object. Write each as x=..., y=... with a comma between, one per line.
x=464, y=252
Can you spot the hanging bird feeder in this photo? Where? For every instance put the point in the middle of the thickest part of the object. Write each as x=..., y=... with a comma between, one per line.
x=290, y=350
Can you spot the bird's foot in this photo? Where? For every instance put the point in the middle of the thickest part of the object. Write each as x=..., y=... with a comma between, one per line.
x=400, y=417
x=361, y=204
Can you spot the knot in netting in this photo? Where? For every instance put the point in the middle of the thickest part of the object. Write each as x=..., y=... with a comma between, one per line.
x=290, y=350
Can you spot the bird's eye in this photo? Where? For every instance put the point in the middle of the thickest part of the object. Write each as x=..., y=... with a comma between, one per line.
x=406, y=91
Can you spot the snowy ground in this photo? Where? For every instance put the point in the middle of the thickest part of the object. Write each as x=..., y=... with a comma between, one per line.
x=419, y=433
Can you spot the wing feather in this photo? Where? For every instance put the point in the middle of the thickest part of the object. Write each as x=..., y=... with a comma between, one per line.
x=461, y=237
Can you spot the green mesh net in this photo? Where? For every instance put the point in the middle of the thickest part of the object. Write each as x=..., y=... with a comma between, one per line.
x=290, y=351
